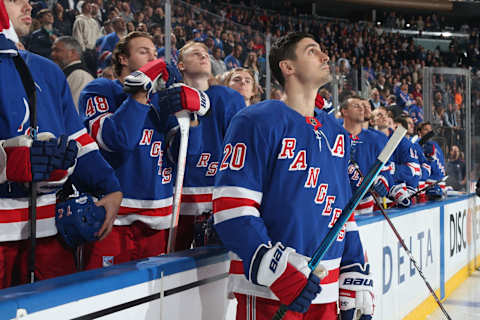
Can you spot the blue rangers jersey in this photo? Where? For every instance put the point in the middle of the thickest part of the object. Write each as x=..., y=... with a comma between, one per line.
x=56, y=113
x=436, y=160
x=205, y=149
x=424, y=163
x=407, y=167
x=131, y=137
x=366, y=147
x=283, y=178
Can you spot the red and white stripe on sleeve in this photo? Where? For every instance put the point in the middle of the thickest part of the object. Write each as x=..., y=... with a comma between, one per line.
x=85, y=141
x=234, y=202
x=96, y=128
x=415, y=168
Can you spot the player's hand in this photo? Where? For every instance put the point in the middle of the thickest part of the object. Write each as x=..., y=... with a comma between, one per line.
x=400, y=195
x=356, y=305
x=182, y=97
x=287, y=274
x=47, y=159
x=111, y=202
x=381, y=186
x=356, y=299
x=152, y=77
x=434, y=193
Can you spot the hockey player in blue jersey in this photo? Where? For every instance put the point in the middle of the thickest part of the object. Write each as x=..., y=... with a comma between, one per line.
x=366, y=146
x=56, y=115
x=406, y=171
x=126, y=119
x=435, y=157
x=281, y=184
x=205, y=143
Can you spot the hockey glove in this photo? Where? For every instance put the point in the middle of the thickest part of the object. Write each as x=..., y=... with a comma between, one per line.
x=435, y=193
x=45, y=159
x=286, y=273
x=182, y=97
x=381, y=186
x=400, y=195
x=477, y=188
x=152, y=77
x=319, y=101
x=356, y=292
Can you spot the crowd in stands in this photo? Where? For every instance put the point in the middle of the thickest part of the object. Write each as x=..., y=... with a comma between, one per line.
x=235, y=36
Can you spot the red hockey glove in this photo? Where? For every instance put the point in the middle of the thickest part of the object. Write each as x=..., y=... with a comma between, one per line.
x=25, y=160
x=152, y=77
x=319, y=101
x=182, y=97
x=287, y=274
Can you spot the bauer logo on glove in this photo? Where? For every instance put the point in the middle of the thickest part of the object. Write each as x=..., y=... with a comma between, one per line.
x=78, y=220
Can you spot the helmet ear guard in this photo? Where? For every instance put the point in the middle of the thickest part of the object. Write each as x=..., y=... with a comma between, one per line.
x=78, y=220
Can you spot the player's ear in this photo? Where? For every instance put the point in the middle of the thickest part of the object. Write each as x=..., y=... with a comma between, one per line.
x=123, y=60
x=287, y=67
x=181, y=66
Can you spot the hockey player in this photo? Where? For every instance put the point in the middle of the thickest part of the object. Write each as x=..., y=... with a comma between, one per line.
x=424, y=163
x=205, y=143
x=434, y=156
x=130, y=129
x=56, y=115
x=406, y=171
x=280, y=187
x=366, y=146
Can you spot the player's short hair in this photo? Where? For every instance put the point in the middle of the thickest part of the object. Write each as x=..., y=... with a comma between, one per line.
x=422, y=125
x=188, y=45
x=122, y=48
x=282, y=49
x=402, y=120
x=345, y=103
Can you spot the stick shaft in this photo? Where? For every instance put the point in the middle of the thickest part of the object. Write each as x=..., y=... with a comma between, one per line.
x=183, y=118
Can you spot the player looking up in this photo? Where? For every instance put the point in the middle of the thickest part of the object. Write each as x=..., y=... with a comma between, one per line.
x=281, y=185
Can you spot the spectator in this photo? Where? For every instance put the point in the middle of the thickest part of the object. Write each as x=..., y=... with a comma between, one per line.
x=374, y=100
x=216, y=60
x=85, y=28
x=173, y=49
x=251, y=63
x=232, y=60
x=66, y=52
x=456, y=170
x=243, y=81
x=41, y=40
x=63, y=21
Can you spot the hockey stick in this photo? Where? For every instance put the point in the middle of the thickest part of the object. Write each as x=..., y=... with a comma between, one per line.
x=429, y=187
x=351, y=205
x=183, y=118
x=409, y=253
x=29, y=86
